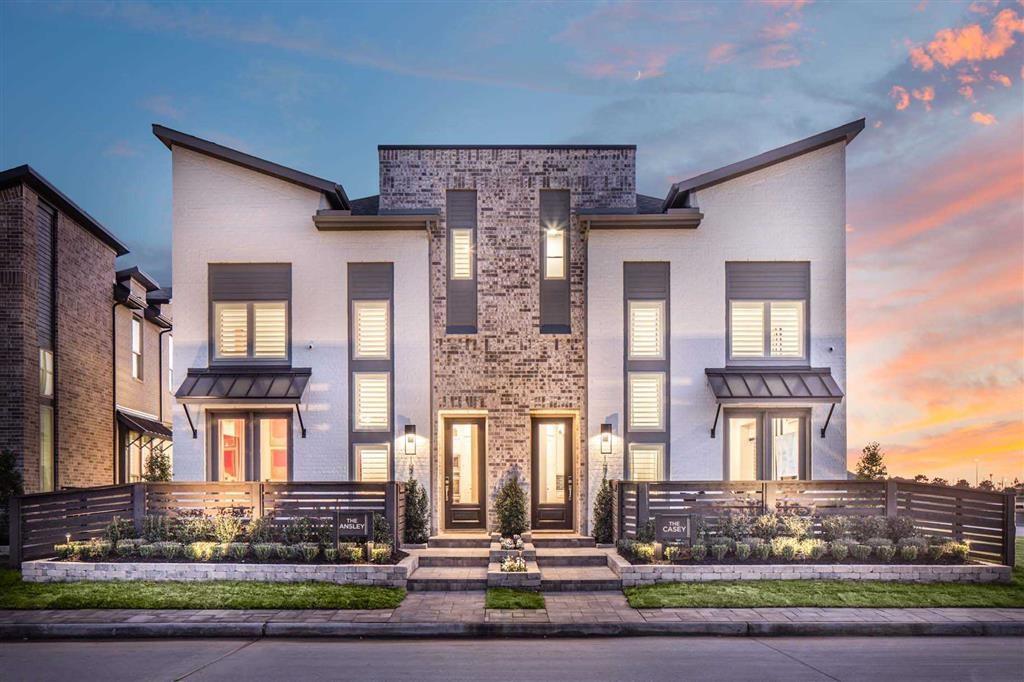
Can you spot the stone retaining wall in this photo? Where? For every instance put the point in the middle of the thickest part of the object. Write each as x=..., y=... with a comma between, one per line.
x=916, y=573
x=49, y=571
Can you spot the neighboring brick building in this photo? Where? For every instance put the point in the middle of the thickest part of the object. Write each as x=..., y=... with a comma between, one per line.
x=56, y=374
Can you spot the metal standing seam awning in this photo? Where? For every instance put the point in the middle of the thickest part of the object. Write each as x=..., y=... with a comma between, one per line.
x=142, y=425
x=276, y=385
x=783, y=385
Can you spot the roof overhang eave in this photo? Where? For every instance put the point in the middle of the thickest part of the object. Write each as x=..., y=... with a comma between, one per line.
x=344, y=221
x=674, y=219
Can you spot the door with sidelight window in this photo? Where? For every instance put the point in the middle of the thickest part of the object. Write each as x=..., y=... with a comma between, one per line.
x=250, y=446
x=766, y=445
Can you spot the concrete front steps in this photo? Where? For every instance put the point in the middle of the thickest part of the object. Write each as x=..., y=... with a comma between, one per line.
x=567, y=562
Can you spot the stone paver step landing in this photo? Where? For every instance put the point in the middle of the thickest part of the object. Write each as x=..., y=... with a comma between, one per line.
x=448, y=578
x=578, y=578
x=479, y=540
x=545, y=540
x=571, y=556
x=453, y=556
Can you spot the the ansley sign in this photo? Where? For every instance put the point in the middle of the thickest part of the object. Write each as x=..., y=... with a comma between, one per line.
x=355, y=525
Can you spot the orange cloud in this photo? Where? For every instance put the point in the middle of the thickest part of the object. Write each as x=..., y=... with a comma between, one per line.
x=778, y=56
x=967, y=91
x=969, y=43
x=722, y=53
x=983, y=119
x=920, y=59
x=780, y=31
x=788, y=5
x=1000, y=78
x=926, y=95
x=900, y=95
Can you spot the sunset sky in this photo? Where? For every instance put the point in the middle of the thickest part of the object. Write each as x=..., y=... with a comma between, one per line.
x=935, y=182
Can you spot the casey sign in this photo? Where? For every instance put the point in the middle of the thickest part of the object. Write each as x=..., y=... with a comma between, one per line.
x=672, y=528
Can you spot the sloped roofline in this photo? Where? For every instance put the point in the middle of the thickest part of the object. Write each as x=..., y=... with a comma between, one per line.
x=139, y=276
x=677, y=193
x=333, y=191
x=28, y=175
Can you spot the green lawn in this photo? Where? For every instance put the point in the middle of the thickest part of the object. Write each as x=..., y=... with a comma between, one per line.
x=226, y=594
x=506, y=598
x=760, y=593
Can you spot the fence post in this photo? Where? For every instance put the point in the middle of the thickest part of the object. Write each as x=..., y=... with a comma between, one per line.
x=767, y=497
x=14, y=512
x=891, y=497
x=642, y=506
x=256, y=495
x=616, y=511
x=138, y=506
x=391, y=509
x=1009, y=529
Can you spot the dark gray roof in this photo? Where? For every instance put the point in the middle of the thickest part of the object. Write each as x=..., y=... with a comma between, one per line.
x=139, y=276
x=677, y=193
x=386, y=147
x=366, y=205
x=792, y=384
x=160, y=296
x=648, y=204
x=244, y=384
x=29, y=176
x=149, y=427
x=334, y=192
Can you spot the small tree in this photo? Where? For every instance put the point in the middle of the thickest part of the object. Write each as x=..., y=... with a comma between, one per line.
x=158, y=467
x=871, y=466
x=939, y=481
x=11, y=484
x=417, y=510
x=963, y=483
x=603, y=508
x=987, y=484
x=511, y=508
x=920, y=478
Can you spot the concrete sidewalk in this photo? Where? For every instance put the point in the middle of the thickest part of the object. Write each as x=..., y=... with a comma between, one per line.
x=455, y=614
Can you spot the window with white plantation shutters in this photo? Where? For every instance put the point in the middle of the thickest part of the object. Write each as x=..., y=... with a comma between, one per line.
x=646, y=401
x=554, y=254
x=646, y=461
x=787, y=329
x=371, y=395
x=646, y=330
x=136, y=348
x=747, y=326
x=462, y=253
x=372, y=463
x=370, y=328
x=269, y=330
x=232, y=329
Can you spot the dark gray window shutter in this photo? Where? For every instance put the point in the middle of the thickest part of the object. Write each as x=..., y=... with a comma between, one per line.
x=763, y=281
x=460, y=212
x=554, y=293
x=46, y=218
x=250, y=281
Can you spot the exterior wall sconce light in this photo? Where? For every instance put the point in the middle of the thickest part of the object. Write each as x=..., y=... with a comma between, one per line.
x=410, y=439
x=606, y=439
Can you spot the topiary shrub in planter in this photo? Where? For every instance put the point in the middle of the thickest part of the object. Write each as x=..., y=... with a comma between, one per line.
x=511, y=508
x=417, y=512
x=603, y=505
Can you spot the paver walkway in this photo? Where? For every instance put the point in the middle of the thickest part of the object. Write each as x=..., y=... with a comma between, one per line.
x=441, y=609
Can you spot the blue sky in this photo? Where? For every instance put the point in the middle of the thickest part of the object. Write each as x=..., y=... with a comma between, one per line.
x=694, y=85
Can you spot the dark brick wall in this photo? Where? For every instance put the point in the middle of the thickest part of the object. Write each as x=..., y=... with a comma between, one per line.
x=13, y=320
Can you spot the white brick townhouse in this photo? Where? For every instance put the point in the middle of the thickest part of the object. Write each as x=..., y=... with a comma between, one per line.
x=510, y=310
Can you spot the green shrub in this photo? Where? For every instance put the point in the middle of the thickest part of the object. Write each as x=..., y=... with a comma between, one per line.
x=603, y=506
x=794, y=526
x=763, y=551
x=168, y=550
x=11, y=484
x=779, y=544
x=298, y=530
x=958, y=551
x=119, y=529
x=865, y=527
x=860, y=552
x=908, y=553
x=265, y=551
x=885, y=552
x=228, y=524
x=331, y=554
x=158, y=466
x=936, y=552
x=261, y=530
x=719, y=552
x=128, y=547
x=645, y=533
x=200, y=551
x=236, y=551
x=381, y=529
x=381, y=554
x=834, y=527
x=677, y=553
x=814, y=549
x=157, y=528
x=734, y=525
x=349, y=553
x=743, y=551
x=839, y=550
x=699, y=552
x=417, y=513
x=635, y=551
x=307, y=551
x=901, y=527
x=192, y=525
x=919, y=543
x=765, y=526
x=148, y=551
x=511, y=508
x=875, y=543
x=72, y=551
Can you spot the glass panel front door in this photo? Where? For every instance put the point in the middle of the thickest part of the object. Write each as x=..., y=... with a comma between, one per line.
x=766, y=444
x=743, y=448
x=786, y=450
x=230, y=449
x=552, y=473
x=274, y=448
x=464, y=474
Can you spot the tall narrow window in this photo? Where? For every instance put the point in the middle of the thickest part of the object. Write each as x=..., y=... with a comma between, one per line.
x=554, y=253
x=646, y=330
x=646, y=401
x=371, y=462
x=787, y=329
x=371, y=393
x=45, y=373
x=231, y=447
x=646, y=461
x=370, y=329
x=136, y=347
x=46, y=448
x=269, y=330
x=462, y=254
x=747, y=319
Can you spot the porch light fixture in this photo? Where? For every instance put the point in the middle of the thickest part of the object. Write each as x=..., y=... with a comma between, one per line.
x=606, y=439
x=410, y=439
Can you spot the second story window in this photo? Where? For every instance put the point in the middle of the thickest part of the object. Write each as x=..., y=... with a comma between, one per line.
x=462, y=253
x=136, y=348
x=767, y=310
x=646, y=330
x=372, y=398
x=370, y=330
x=554, y=254
x=249, y=311
x=45, y=373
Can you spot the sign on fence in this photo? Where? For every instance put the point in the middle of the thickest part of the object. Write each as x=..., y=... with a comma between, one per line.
x=355, y=525
x=669, y=528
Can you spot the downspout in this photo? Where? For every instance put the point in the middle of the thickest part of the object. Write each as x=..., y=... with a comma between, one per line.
x=160, y=363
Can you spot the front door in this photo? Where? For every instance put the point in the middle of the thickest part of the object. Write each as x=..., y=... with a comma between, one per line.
x=552, y=473
x=465, y=495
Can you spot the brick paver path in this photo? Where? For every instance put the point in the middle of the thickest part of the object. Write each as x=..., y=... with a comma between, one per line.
x=468, y=607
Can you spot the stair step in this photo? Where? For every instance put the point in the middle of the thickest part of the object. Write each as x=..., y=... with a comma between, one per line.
x=452, y=541
x=571, y=556
x=447, y=579
x=540, y=541
x=453, y=557
x=579, y=578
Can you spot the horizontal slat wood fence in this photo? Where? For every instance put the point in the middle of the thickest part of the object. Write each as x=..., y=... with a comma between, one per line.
x=986, y=519
x=40, y=521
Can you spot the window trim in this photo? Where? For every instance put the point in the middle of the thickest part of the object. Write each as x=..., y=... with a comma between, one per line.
x=661, y=476
x=548, y=233
x=249, y=359
x=765, y=454
x=364, y=302
x=45, y=373
x=766, y=356
x=355, y=402
x=662, y=416
x=645, y=302
x=471, y=253
x=251, y=462
x=136, y=323
x=357, y=470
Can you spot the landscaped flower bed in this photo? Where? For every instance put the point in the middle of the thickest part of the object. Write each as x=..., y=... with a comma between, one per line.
x=786, y=539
